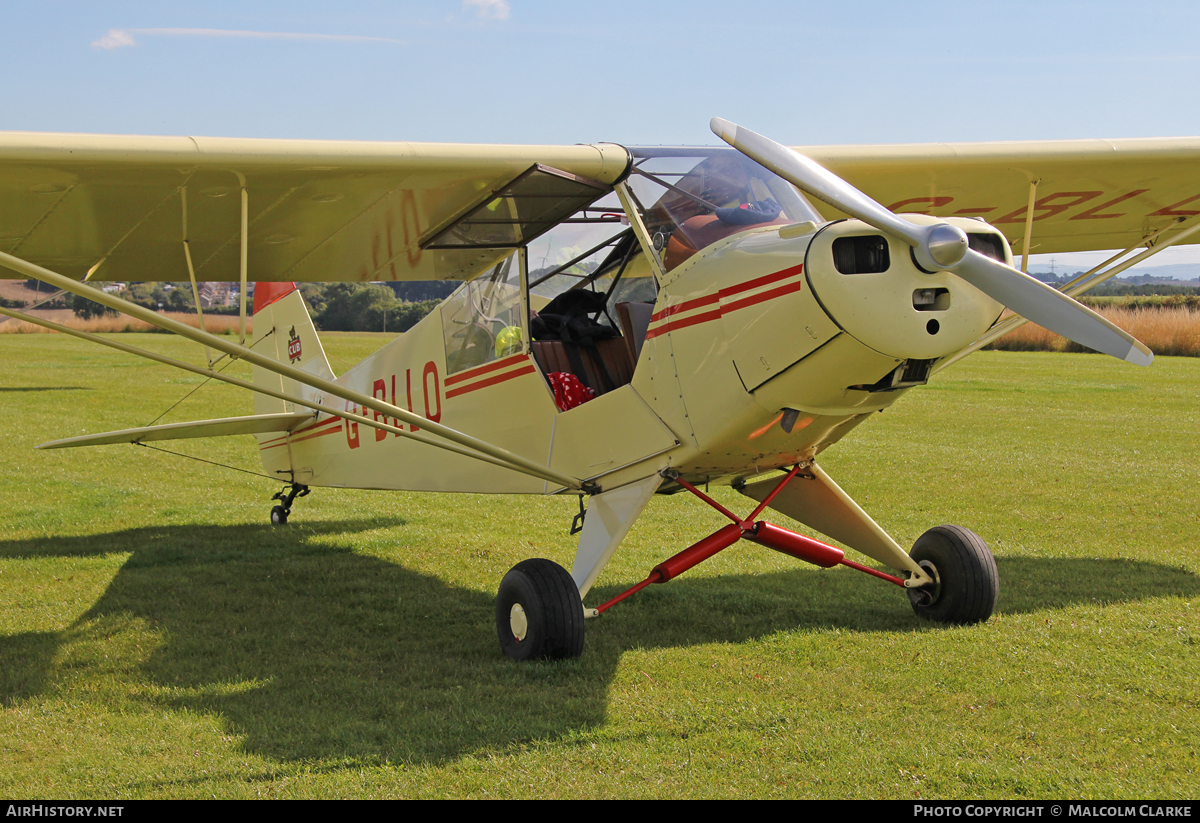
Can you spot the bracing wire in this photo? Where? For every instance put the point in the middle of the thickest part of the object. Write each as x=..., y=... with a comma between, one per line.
x=204, y=382
x=209, y=462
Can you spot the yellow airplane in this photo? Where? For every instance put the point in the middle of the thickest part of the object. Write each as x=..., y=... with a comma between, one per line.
x=631, y=321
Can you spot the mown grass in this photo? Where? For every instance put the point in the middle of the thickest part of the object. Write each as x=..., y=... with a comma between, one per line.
x=158, y=639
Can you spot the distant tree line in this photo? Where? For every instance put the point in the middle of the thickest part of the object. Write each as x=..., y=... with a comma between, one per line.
x=1117, y=287
x=1114, y=288
x=388, y=307
x=175, y=297
x=363, y=307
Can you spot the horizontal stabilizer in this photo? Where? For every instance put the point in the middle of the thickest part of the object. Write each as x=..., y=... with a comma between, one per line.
x=253, y=424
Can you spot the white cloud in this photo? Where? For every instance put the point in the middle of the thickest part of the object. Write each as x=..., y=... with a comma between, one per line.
x=115, y=39
x=489, y=9
x=118, y=38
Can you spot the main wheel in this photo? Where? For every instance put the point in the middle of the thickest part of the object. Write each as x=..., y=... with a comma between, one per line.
x=539, y=613
x=279, y=516
x=965, y=580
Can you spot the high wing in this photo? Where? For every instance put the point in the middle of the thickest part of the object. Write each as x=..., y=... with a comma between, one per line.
x=1090, y=194
x=119, y=207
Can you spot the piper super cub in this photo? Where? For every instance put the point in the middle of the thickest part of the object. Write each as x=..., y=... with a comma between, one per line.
x=630, y=322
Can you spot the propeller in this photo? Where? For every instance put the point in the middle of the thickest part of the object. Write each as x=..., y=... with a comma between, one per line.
x=942, y=247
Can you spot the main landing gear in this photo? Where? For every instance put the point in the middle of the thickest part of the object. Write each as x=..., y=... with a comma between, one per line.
x=539, y=613
x=965, y=582
x=279, y=514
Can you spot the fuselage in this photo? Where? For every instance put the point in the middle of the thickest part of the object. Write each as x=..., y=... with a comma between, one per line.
x=762, y=350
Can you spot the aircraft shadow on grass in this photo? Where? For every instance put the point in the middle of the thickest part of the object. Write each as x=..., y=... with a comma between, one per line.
x=308, y=650
x=43, y=388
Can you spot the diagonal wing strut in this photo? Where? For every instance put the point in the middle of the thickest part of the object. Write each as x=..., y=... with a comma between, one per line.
x=473, y=446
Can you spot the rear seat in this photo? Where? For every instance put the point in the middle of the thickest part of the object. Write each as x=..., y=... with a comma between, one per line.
x=551, y=356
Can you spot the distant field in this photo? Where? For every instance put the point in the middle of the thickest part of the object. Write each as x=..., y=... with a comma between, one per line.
x=1157, y=301
x=1167, y=328
x=108, y=324
x=159, y=639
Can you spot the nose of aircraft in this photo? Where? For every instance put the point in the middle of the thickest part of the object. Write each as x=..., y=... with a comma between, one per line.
x=870, y=286
x=939, y=246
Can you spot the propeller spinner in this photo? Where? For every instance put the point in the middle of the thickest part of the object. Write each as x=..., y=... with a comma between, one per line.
x=942, y=247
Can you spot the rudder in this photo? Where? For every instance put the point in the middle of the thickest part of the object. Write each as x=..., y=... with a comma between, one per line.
x=284, y=330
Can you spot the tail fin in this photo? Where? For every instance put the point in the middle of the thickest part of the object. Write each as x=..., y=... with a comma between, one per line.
x=284, y=331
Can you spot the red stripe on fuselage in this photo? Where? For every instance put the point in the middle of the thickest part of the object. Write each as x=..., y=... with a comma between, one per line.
x=686, y=305
x=774, y=277
x=470, y=374
x=762, y=281
x=758, y=298
x=319, y=434
x=491, y=381
x=329, y=421
x=672, y=325
x=330, y=424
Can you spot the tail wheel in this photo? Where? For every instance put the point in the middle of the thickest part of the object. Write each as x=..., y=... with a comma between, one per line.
x=966, y=584
x=279, y=516
x=539, y=613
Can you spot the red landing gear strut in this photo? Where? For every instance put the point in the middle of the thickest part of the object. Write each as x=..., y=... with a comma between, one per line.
x=765, y=534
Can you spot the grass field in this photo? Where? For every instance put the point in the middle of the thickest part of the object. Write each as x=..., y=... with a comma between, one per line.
x=159, y=639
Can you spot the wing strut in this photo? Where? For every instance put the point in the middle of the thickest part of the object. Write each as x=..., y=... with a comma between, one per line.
x=187, y=254
x=471, y=444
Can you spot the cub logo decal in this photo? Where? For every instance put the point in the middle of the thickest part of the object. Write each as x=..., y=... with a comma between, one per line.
x=293, y=345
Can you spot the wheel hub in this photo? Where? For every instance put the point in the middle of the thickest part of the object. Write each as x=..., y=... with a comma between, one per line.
x=927, y=595
x=517, y=621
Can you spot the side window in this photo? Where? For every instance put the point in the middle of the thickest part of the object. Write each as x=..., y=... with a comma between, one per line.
x=483, y=321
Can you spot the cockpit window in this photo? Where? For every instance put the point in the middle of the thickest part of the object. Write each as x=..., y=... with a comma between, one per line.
x=595, y=249
x=691, y=198
x=484, y=321
x=575, y=248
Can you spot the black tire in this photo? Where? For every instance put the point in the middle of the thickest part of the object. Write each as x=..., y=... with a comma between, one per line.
x=965, y=570
x=542, y=594
x=279, y=516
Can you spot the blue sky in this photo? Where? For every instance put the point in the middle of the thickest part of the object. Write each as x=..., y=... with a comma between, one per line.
x=528, y=71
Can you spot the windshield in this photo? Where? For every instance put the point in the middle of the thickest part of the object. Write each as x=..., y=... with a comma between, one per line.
x=690, y=198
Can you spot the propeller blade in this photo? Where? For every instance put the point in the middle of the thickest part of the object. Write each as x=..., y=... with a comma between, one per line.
x=942, y=247
x=815, y=180
x=1050, y=308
